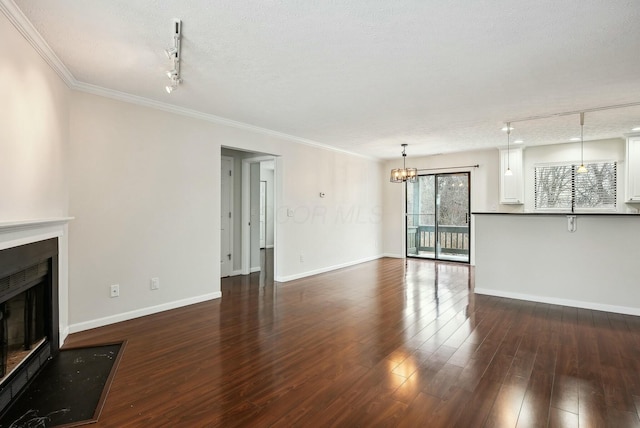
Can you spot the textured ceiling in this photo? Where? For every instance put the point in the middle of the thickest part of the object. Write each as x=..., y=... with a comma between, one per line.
x=367, y=75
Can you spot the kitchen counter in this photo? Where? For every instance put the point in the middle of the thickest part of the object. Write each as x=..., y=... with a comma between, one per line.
x=586, y=260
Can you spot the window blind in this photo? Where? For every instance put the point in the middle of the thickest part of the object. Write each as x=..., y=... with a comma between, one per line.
x=560, y=187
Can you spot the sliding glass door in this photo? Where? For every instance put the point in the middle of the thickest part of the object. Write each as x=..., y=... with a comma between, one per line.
x=438, y=217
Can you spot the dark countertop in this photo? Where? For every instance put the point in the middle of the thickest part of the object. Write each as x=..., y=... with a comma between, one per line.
x=563, y=214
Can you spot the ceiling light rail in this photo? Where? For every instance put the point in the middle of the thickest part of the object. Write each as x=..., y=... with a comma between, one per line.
x=174, y=53
x=575, y=112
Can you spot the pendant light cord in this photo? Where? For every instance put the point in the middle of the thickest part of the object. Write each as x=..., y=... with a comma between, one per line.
x=582, y=139
x=404, y=158
x=508, y=146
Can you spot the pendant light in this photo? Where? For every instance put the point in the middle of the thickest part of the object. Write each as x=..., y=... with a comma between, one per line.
x=400, y=175
x=581, y=169
x=508, y=172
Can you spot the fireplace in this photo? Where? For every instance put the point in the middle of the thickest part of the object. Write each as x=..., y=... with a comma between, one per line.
x=29, y=333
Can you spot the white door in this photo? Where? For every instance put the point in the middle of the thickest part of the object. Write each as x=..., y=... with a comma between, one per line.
x=263, y=214
x=226, y=192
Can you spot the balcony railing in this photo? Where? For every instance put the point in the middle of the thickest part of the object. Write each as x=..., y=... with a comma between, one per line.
x=453, y=239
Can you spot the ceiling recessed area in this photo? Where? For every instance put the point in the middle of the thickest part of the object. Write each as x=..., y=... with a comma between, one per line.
x=365, y=76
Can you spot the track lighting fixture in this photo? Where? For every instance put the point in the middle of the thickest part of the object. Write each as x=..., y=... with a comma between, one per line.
x=174, y=55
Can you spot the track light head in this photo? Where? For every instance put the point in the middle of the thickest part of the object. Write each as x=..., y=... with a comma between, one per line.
x=172, y=74
x=171, y=52
x=170, y=88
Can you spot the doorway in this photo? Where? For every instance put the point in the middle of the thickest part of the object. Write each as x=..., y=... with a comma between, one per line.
x=438, y=217
x=240, y=212
x=259, y=192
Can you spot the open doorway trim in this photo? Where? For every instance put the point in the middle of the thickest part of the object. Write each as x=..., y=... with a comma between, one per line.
x=231, y=211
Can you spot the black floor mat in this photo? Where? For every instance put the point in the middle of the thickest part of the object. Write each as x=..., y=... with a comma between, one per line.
x=70, y=389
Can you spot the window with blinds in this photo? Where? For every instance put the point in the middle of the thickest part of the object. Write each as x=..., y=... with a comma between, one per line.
x=560, y=187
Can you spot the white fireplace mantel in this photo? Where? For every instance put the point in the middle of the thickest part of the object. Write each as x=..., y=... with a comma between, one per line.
x=10, y=226
x=14, y=233
x=22, y=232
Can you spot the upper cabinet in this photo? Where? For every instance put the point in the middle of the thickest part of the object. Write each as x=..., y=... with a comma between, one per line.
x=512, y=186
x=633, y=168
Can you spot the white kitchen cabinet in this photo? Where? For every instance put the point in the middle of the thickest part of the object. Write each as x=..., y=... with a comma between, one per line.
x=511, y=186
x=633, y=169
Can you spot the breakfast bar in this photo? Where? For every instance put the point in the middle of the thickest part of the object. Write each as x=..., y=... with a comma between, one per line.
x=586, y=260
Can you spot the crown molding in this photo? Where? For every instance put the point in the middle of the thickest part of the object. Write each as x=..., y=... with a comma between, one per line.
x=195, y=114
x=24, y=26
x=28, y=31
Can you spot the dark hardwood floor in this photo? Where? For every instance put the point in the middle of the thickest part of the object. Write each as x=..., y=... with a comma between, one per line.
x=377, y=344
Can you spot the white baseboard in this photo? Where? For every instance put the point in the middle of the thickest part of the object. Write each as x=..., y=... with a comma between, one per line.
x=236, y=272
x=112, y=319
x=325, y=269
x=270, y=246
x=562, y=302
x=254, y=269
x=393, y=255
x=64, y=332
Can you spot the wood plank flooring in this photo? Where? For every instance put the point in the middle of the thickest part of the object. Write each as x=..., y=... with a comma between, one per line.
x=384, y=343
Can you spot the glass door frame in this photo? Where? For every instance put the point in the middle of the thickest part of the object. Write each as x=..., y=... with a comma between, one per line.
x=436, y=225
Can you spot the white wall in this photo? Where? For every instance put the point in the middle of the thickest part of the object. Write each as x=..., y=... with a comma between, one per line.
x=145, y=192
x=484, y=191
x=353, y=209
x=34, y=133
x=34, y=129
x=342, y=228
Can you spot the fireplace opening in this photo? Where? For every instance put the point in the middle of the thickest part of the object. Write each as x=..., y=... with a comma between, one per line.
x=22, y=328
x=29, y=330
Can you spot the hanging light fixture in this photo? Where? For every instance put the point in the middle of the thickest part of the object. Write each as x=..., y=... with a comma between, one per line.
x=581, y=169
x=400, y=175
x=508, y=128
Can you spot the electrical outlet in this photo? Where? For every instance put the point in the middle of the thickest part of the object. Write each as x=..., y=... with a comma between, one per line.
x=115, y=290
x=155, y=283
x=301, y=258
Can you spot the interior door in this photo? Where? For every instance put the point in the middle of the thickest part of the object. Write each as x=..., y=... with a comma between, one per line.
x=226, y=192
x=438, y=216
